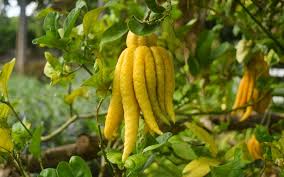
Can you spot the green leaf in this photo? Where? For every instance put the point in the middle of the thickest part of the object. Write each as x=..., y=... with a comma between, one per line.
x=50, y=22
x=141, y=28
x=79, y=167
x=80, y=4
x=35, y=147
x=244, y=50
x=20, y=135
x=230, y=169
x=153, y=6
x=113, y=33
x=204, y=136
x=193, y=65
x=90, y=18
x=114, y=157
x=4, y=111
x=49, y=172
x=164, y=137
x=52, y=60
x=272, y=57
x=51, y=41
x=203, y=48
x=70, y=21
x=152, y=147
x=199, y=167
x=64, y=170
x=184, y=151
x=262, y=134
x=4, y=77
x=221, y=50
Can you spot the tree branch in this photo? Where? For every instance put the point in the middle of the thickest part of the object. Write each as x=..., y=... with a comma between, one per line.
x=267, y=32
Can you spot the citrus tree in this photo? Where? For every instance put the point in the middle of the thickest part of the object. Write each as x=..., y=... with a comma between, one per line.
x=178, y=88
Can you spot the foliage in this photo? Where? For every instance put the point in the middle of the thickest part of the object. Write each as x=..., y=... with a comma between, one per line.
x=83, y=47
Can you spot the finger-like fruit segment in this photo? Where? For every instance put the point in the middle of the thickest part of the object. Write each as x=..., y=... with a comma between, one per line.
x=239, y=94
x=254, y=148
x=169, y=82
x=141, y=88
x=133, y=40
x=249, y=100
x=115, y=109
x=129, y=102
x=160, y=73
x=151, y=82
x=247, y=80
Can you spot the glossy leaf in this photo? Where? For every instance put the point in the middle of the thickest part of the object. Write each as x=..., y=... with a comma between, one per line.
x=64, y=170
x=49, y=172
x=70, y=21
x=4, y=77
x=153, y=6
x=141, y=28
x=79, y=167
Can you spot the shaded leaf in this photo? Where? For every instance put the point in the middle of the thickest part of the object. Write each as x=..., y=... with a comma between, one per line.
x=113, y=33
x=35, y=147
x=203, y=48
x=153, y=6
x=141, y=28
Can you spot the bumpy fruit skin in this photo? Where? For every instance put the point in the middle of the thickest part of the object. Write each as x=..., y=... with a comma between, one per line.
x=139, y=84
x=254, y=148
x=160, y=72
x=115, y=110
x=169, y=82
x=141, y=88
x=248, y=94
x=129, y=102
x=151, y=82
x=6, y=144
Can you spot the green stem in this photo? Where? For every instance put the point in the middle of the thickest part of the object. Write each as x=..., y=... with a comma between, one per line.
x=17, y=115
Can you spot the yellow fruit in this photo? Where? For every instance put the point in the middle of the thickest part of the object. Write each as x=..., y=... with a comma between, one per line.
x=141, y=88
x=160, y=72
x=115, y=110
x=129, y=102
x=133, y=40
x=151, y=82
x=169, y=82
x=6, y=144
x=254, y=148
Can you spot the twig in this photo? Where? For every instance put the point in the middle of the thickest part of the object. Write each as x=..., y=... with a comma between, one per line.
x=87, y=69
x=267, y=32
x=101, y=144
x=65, y=125
x=17, y=115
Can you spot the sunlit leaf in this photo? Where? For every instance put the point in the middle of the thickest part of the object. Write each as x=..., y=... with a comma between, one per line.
x=90, y=19
x=199, y=167
x=79, y=92
x=70, y=21
x=243, y=50
x=6, y=144
x=4, y=111
x=20, y=135
x=204, y=136
x=49, y=172
x=4, y=77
